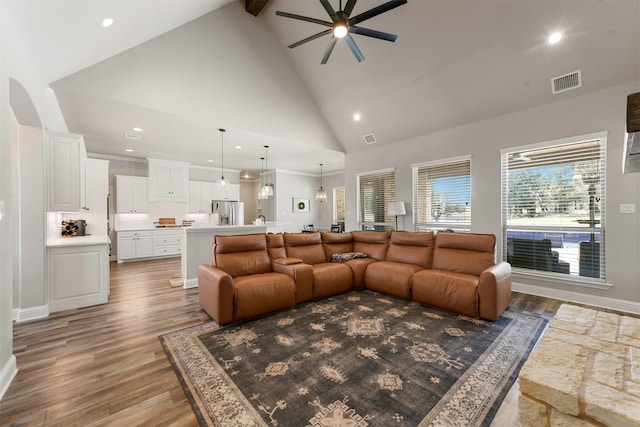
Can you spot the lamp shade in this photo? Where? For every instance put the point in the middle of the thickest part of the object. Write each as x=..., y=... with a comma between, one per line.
x=396, y=208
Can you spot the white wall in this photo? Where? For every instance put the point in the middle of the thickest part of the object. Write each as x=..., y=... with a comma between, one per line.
x=329, y=182
x=594, y=112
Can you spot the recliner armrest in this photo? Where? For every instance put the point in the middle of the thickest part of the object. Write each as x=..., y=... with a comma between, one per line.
x=301, y=273
x=216, y=293
x=287, y=261
x=494, y=291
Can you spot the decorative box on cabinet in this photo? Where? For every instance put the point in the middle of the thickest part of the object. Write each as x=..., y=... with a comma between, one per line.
x=135, y=244
x=66, y=170
x=168, y=181
x=131, y=194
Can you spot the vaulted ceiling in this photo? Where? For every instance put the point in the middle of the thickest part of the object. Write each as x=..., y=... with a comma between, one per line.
x=182, y=69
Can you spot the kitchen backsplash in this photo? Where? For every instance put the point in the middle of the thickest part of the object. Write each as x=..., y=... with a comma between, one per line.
x=138, y=221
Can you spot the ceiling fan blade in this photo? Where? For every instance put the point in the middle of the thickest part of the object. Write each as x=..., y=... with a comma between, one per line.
x=348, y=8
x=385, y=7
x=327, y=6
x=373, y=33
x=328, y=51
x=354, y=48
x=304, y=18
x=308, y=39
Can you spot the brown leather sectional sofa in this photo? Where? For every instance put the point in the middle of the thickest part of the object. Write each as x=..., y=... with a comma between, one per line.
x=258, y=274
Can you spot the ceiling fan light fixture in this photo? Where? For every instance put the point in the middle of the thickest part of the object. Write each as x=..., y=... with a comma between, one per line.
x=340, y=30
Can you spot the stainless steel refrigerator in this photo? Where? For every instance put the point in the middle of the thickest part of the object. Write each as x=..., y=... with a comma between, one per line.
x=227, y=212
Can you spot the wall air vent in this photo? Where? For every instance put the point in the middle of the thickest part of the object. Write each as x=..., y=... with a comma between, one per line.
x=131, y=136
x=566, y=82
x=370, y=139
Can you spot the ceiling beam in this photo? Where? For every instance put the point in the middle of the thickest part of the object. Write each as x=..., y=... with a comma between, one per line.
x=255, y=6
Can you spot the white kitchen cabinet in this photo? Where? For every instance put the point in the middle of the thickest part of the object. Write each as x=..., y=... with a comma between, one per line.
x=135, y=244
x=168, y=181
x=167, y=242
x=66, y=163
x=78, y=276
x=200, y=196
x=131, y=194
x=230, y=193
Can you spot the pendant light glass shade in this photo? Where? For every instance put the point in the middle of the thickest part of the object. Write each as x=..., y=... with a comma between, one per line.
x=321, y=194
x=261, y=194
x=222, y=181
x=266, y=189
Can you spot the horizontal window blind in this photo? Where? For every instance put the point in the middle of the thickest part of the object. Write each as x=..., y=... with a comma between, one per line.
x=553, y=208
x=442, y=195
x=375, y=190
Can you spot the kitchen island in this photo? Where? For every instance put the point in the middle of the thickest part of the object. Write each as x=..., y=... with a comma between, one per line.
x=196, y=246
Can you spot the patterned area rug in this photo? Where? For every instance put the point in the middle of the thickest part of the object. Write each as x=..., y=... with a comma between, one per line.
x=357, y=359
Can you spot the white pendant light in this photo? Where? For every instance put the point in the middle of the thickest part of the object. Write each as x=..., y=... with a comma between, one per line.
x=266, y=189
x=261, y=194
x=222, y=181
x=321, y=194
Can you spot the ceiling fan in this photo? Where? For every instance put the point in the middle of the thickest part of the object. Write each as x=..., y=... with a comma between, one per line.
x=342, y=25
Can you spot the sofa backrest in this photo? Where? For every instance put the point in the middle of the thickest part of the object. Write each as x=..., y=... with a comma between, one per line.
x=336, y=243
x=464, y=252
x=411, y=248
x=372, y=243
x=306, y=246
x=242, y=255
x=275, y=245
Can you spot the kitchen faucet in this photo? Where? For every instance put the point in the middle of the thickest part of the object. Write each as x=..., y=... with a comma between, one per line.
x=264, y=219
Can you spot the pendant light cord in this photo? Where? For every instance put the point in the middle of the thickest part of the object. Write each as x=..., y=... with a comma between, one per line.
x=222, y=131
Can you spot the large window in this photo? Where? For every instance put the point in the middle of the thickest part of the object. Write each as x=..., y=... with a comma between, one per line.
x=375, y=190
x=442, y=195
x=553, y=207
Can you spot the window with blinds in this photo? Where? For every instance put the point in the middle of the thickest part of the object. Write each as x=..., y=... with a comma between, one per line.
x=553, y=200
x=442, y=195
x=375, y=190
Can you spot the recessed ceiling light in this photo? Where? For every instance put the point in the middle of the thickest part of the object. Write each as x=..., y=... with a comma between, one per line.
x=107, y=22
x=554, y=37
x=210, y=161
x=238, y=147
x=138, y=130
x=357, y=117
x=129, y=150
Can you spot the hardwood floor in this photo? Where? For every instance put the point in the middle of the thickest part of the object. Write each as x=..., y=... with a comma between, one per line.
x=105, y=365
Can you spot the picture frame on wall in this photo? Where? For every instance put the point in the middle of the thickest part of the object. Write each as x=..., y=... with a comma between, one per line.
x=301, y=205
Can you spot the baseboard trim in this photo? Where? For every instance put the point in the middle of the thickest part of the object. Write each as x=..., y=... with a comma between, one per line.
x=190, y=283
x=8, y=372
x=31, y=313
x=594, y=300
x=14, y=314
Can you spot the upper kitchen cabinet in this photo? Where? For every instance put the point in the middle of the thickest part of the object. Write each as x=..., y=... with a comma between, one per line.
x=232, y=192
x=131, y=194
x=168, y=181
x=66, y=171
x=200, y=196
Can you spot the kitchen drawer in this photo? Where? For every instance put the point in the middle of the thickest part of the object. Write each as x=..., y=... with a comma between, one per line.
x=167, y=240
x=167, y=250
x=168, y=232
x=129, y=234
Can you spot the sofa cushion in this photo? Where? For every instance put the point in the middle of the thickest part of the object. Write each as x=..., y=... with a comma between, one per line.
x=372, y=243
x=336, y=243
x=466, y=253
x=331, y=279
x=306, y=246
x=358, y=267
x=448, y=290
x=411, y=248
x=242, y=255
x=393, y=278
x=261, y=294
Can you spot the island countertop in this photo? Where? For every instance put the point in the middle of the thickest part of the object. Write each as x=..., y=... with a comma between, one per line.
x=67, y=241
